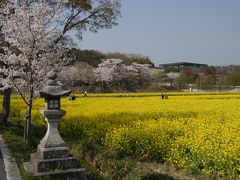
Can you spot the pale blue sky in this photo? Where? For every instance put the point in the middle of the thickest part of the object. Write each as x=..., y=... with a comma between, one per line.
x=200, y=31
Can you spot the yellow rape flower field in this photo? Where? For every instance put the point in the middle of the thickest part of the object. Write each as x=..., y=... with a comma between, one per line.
x=188, y=131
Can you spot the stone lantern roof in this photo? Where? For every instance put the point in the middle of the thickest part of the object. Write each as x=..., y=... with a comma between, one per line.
x=53, y=89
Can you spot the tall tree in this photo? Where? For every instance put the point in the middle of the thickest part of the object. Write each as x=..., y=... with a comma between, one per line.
x=92, y=15
x=232, y=79
x=39, y=29
x=31, y=30
x=157, y=75
x=5, y=90
x=5, y=104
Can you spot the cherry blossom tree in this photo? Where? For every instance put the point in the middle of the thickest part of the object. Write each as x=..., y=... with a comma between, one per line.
x=110, y=71
x=143, y=71
x=114, y=72
x=80, y=15
x=35, y=33
x=171, y=76
x=80, y=73
x=157, y=75
x=31, y=30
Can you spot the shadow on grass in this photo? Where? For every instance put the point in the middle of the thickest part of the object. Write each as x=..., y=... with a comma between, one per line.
x=21, y=149
x=156, y=176
x=13, y=135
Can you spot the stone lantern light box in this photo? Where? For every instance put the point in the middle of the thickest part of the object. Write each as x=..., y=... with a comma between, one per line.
x=52, y=103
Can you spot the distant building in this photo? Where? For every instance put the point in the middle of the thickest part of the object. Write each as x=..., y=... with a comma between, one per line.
x=181, y=64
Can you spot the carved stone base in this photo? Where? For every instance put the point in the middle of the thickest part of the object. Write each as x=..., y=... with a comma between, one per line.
x=50, y=153
x=43, y=165
x=66, y=174
x=52, y=157
x=59, y=168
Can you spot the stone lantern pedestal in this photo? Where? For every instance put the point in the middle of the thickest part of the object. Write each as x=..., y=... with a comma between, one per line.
x=52, y=157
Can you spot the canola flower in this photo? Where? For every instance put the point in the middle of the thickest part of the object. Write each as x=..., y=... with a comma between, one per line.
x=189, y=131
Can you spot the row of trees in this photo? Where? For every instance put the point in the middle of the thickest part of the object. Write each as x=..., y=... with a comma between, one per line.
x=93, y=57
x=110, y=72
x=116, y=72
x=208, y=77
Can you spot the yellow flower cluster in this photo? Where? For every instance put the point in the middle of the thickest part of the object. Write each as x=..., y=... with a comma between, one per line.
x=201, y=133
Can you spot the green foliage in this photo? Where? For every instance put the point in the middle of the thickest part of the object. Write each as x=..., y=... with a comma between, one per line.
x=232, y=79
x=209, y=70
x=117, y=55
x=172, y=69
x=139, y=60
x=117, y=168
x=92, y=57
x=180, y=83
x=20, y=148
x=130, y=58
x=183, y=81
x=231, y=68
x=207, y=82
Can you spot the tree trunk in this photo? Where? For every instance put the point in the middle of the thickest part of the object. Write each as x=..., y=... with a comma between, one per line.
x=27, y=127
x=5, y=105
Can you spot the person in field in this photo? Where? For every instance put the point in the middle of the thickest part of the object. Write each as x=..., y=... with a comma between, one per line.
x=72, y=97
x=162, y=96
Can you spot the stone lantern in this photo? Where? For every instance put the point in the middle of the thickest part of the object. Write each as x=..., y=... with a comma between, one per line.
x=52, y=156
